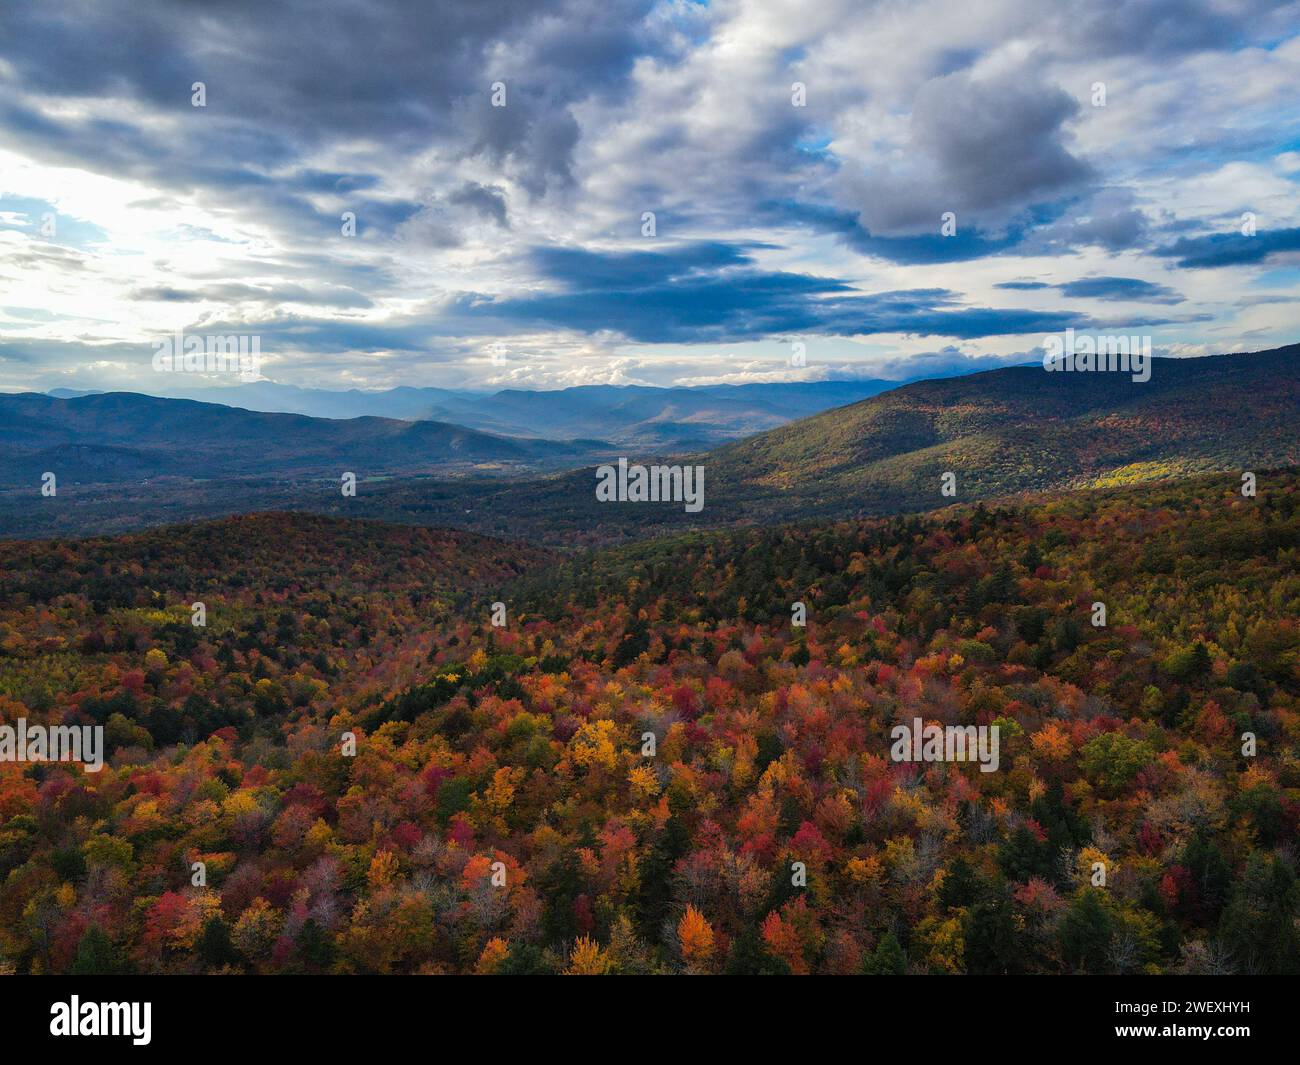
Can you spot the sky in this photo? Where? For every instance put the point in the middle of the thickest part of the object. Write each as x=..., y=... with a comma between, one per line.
x=561, y=192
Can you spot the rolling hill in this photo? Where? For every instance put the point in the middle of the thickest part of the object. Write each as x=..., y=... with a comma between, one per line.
x=629, y=415
x=1000, y=433
x=124, y=436
x=1023, y=429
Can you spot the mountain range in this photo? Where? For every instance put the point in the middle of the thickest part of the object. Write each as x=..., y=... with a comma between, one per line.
x=1021, y=429
x=125, y=436
x=998, y=433
x=665, y=419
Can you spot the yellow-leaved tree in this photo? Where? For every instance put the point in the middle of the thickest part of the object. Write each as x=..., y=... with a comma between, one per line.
x=587, y=959
x=695, y=935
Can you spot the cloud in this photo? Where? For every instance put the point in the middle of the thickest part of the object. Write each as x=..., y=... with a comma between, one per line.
x=236, y=292
x=1115, y=289
x=714, y=293
x=1231, y=249
x=1120, y=288
x=521, y=224
x=415, y=56
x=1109, y=218
x=918, y=249
x=951, y=360
x=988, y=147
x=449, y=221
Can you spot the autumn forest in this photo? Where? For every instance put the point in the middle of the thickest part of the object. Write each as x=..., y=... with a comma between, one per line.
x=395, y=749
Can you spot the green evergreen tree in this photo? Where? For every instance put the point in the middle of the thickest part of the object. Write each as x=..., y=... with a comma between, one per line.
x=98, y=956
x=887, y=959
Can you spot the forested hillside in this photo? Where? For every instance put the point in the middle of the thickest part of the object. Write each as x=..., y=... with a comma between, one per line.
x=1023, y=429
x=504, y=811
x=126, y=438
x=998, y=433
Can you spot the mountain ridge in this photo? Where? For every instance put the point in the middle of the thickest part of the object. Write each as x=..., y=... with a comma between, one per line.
x=999, y=433
x=674, y=418
x=142, y=436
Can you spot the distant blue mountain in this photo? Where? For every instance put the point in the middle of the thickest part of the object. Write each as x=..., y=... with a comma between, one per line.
x=637, y=416
x=114, y=437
